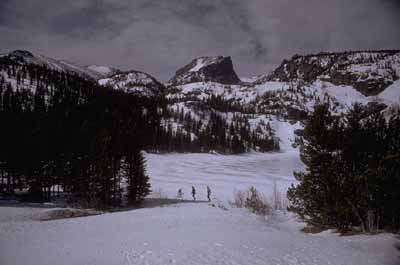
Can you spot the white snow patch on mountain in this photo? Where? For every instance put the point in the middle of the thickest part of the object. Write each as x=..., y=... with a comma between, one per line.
x=391, y=93
x=58, y=65
x=249, y=79
x=200, y=63
x=133, y=82
x=201, y=90
x=103, y=70
x=271, y=86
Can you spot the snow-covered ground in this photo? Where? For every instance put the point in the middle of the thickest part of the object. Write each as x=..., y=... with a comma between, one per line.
x=181, y=234
x=190, y=233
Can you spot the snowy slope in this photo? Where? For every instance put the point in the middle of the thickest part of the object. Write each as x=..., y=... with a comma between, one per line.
x=249, y=79
x=27, y=57
x=135, y=82
x=202, y=90
x=391, y=93
x=369, y=72
x=290, y=96
x=340, y=79
x=104, y=71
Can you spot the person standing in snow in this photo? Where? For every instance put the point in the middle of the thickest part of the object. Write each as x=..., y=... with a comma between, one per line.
x=180, y=194
x=208, y=193
x=194, y=193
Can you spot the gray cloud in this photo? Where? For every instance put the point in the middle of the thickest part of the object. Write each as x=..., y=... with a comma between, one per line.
x=160, y=36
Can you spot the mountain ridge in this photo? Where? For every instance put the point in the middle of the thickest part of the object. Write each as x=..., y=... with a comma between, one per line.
x=369, y=72
x=91, y=71
x=207, y=106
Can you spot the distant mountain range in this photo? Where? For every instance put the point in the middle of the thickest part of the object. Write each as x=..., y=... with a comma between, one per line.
x=268, y=107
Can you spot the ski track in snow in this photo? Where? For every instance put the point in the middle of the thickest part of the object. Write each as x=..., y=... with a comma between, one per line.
x=189, y=233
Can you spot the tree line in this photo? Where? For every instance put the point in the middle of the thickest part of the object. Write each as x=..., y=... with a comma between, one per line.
x=62, y=130
x=206, y=129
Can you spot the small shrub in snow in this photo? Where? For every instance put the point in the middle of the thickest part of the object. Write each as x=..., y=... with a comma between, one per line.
x=252, y=200
x=239, y=199
x=312, y=229
x=279, y=200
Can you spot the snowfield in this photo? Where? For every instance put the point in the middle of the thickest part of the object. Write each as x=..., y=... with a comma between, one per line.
x=190, y=233
x=224, y=174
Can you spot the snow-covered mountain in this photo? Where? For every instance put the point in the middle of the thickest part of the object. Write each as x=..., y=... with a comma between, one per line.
x=207, y=88
x=93, y=71
x=369, y=72
x=210, y=76
x=290, y=92
x=338, y=78
x=135, y=82
x=207, y=94
x=217, y=69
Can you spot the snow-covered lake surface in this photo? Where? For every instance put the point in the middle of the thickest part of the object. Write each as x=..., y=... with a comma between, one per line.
x=189, y=233
x=224, y=174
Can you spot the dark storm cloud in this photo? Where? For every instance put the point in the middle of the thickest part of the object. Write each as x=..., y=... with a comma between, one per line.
x=159, y=36
x=85, y=22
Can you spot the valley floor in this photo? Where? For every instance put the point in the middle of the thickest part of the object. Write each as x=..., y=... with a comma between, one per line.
x=189, y=233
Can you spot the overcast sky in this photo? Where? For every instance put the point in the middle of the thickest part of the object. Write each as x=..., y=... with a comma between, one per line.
x=159, y=36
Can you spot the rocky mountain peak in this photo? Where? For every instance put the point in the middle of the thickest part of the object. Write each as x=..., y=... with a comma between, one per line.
x=217, y=69
x=369, y=72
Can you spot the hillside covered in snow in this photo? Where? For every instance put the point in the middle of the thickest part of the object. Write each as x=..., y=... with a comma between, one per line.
x=206, y=107
x=92, y=71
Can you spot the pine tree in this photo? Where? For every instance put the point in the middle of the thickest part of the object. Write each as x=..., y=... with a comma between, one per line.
x=352, y=170
x=138, y=181
x=316, y=197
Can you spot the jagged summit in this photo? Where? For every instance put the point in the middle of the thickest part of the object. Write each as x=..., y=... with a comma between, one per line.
x=369, y=72
x=217, y=69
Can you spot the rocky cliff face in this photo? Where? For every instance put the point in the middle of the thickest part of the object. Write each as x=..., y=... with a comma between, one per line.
x=207, y=69
x=369, y=72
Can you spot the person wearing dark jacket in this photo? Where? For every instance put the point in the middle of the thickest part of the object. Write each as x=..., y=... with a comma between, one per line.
x=194, y=193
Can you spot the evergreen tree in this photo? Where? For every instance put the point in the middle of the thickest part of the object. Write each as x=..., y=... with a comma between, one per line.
x=138, y=181
x=352, y=165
